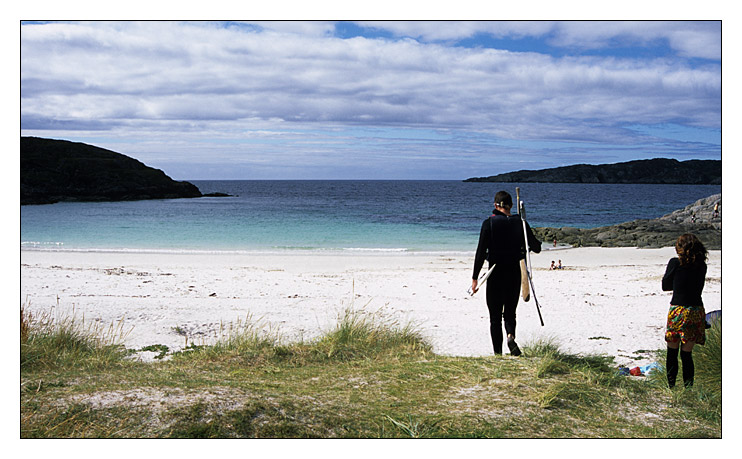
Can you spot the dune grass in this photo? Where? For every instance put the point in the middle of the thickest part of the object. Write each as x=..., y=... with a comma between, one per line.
x=357, y=335
x=708, y=375
x=54, y=342
x=369, y=377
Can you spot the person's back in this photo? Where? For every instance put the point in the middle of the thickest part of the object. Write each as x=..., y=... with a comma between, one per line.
x=685, y=281
x=506, y=238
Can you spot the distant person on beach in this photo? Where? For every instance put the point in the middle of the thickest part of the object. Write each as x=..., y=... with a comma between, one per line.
x=559, y=266
x=501, y=242
x=553, y=266
x=686, y=320
x=716, y=210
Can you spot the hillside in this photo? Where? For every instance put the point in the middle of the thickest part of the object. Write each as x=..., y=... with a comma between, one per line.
x=59, y=170
x=658, y=170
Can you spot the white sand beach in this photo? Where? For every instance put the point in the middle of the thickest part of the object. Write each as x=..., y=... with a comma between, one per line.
x=605, y=300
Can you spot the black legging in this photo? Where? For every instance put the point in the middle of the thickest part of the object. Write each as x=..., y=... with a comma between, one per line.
x=672, y=367
x=503, y=290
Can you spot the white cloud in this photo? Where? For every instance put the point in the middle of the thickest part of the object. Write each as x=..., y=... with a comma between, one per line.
x=303, y=28
x=689, y=39
x=197, y=80
x=459, y=30
x=170, y=70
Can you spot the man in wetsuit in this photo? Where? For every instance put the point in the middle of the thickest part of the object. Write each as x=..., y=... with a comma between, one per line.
x=501, y=242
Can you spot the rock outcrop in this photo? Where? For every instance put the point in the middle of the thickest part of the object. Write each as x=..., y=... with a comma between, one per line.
x=701, y=211
x=59, y=170
x=217, y=194
x=697, y=218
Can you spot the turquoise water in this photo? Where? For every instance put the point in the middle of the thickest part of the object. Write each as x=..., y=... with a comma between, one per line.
x=383, y=216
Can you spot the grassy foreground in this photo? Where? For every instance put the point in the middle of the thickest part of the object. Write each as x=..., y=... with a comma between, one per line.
x=368, y=378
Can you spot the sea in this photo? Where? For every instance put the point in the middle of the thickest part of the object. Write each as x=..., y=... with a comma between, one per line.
x=335, y=216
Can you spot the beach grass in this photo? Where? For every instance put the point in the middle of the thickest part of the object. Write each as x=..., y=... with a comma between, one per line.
x=54, y=342
x=709, y=374
x=369, y=377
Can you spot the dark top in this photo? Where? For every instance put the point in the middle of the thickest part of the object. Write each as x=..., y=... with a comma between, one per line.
x=686, y=282
x=501, y=241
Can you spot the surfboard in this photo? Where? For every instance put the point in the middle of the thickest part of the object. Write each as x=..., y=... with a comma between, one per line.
x=481, y=281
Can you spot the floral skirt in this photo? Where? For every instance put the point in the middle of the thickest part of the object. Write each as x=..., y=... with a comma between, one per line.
x=686, y=324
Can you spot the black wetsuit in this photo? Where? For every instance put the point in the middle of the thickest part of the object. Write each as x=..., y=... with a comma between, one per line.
x=501, y=243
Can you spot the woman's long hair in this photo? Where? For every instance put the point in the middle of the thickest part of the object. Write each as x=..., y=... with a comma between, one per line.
x=690, y=250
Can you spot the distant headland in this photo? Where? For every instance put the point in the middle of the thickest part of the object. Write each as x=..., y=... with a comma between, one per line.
x=60, y=170
x=658, y=170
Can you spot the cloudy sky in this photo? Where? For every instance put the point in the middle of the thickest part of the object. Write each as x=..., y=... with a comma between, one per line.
x=375, y=100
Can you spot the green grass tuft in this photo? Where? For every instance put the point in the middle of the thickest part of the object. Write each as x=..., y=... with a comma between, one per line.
x=357, y=335
x=707, y=361
x=360, y=335
x=67, y=341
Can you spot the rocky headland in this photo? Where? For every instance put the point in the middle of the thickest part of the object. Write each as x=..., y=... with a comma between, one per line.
x=59, y=170
x=658, y=170
x=697, y=218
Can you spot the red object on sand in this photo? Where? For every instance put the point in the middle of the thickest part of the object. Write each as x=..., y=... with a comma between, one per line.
x=636, y=371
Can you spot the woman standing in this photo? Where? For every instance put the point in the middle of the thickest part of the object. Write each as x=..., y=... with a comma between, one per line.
x=686, y=320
